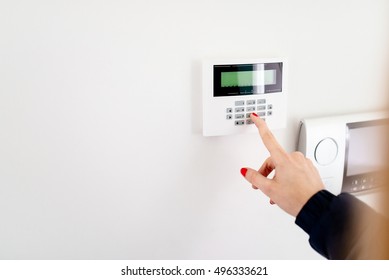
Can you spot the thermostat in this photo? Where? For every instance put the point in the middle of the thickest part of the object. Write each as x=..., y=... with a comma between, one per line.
x=234, y=89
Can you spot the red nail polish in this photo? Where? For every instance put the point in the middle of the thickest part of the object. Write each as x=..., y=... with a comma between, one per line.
x=243, y=171
x=255, y=115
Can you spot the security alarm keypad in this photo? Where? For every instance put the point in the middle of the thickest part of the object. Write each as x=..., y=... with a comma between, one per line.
x=242, y=109
x=235, y=89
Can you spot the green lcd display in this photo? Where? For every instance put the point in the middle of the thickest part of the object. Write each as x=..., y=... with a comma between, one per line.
x=248, y=78
x=237, y=79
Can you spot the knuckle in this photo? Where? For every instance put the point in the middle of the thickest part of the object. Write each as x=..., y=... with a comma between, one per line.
x=298, y=154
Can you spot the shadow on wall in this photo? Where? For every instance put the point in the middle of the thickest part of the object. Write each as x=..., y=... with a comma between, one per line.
x=196, y=97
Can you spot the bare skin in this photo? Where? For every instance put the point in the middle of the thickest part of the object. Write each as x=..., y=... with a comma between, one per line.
x=295, y=181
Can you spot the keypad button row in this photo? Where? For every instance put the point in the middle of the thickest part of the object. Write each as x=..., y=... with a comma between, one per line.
x=242, y=122
x=249, y=109
x=250, y=102
x=242, y=116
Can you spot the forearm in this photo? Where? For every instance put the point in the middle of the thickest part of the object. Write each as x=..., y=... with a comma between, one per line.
x=339, y=226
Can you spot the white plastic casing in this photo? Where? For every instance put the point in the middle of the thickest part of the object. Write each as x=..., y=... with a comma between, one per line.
x=323, y=140
x=214, y=108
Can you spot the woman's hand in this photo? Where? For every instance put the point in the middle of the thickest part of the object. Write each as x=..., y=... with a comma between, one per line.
x=295, y=181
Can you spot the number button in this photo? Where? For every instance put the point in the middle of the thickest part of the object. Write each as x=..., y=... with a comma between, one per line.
x=261, y=108
x=261, y=114
x=261, y=101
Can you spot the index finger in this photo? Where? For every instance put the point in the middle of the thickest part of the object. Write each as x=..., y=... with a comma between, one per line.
x=270, y=142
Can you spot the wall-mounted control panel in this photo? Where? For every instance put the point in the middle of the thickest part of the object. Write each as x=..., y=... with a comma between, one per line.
x=233, y=89
x=349, y=150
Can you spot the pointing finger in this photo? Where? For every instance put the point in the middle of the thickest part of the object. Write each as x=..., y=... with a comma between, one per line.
x=272, y=145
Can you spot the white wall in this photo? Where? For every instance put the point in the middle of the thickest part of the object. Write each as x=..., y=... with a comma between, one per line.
x=101, y=153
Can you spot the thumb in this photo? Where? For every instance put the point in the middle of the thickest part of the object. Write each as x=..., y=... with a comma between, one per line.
x=257, y=179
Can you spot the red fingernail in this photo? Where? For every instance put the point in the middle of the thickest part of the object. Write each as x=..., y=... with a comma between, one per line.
x=243, y=171
x=272, y=202
x=255, y=115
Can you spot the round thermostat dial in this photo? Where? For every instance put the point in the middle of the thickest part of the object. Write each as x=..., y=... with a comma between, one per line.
x=326, y=151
